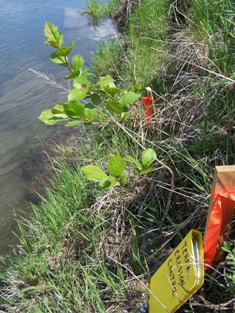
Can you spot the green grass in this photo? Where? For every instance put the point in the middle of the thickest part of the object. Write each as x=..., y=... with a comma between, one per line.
x=138, y=62
x=189, y=62
x=106, y=58
x=100, y=10
x=65, y=259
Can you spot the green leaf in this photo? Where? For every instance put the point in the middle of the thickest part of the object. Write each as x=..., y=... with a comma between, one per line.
x=74, y=109
x=73, y=123
x=64, y=51
x=123, y=180
x=108, y=183
x=116, y=166
x=46, y=115
x=129, y=97
x=148, y=170
x=111, y=89
x=77, y=62
x=60, y=60
x=125, y=110
x=90, y=106
x=76, y=94
x=148, y=157
x=104, y=184
x=48, y=118
x=115, y=107
x=58, y=109
x=113, y=181
x=72, y=74
x=94, y=172
x=55, y=38
x=107, y=85
x=95, y=98
x=135, y=162
x=101, y=117
x=81, y=82
x=89, y=112
x=104, y=81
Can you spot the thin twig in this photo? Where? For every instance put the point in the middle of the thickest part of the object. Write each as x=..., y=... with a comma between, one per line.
x=50, y=81
x=207, y=304
x=196, y=65
x=52, y=165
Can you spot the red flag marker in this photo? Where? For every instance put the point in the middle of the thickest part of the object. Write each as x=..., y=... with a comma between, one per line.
x=148, y=103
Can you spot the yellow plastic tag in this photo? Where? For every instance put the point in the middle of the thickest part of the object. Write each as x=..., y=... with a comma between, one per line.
x=179, y=277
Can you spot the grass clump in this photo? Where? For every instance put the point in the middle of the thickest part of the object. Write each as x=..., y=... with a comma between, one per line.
x=72, y=248
x=138, y=62
x=99, y=10
x=106, y=58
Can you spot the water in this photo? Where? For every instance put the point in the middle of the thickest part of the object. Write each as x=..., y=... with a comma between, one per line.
x=22, y=94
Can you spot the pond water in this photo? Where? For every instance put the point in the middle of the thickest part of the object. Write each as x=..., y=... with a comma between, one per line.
x=23, y=95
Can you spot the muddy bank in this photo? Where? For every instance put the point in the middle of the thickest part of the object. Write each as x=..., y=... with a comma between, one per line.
x=125, y=10
x=43, y=159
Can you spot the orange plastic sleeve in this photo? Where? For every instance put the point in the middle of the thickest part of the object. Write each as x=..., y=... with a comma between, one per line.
x=214, y=226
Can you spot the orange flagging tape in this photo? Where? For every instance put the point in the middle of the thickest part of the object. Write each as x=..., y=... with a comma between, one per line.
x=147, y=101
x=215, y=224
